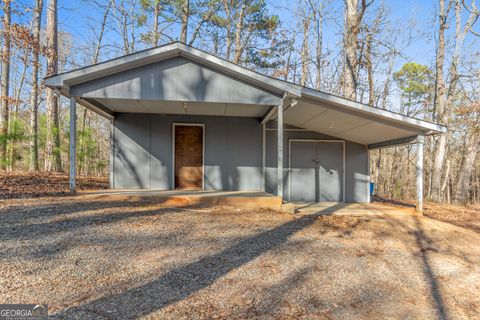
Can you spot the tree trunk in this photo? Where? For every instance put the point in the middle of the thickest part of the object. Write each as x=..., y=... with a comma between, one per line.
x=4, y=92
x=53, y=160
x=439, y=104
x=462, y=187
x=378, y=165
x=353, y=21
x=369, y=65
x=156, y=14
x=185, y=14
x=13, y=127
x=289, y=58
x=318, y=18
x=477, y=187
x=443, y=97
x=238, y=35
x=37, y=20
x=304, y=55
x=350, y=47
x=394, y=176
x=228, y=40
x=386, y=86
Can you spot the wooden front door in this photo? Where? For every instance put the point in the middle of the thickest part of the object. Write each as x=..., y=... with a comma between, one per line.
x=188, y=157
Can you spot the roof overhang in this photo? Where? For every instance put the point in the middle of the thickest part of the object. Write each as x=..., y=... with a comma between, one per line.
x=353, y=121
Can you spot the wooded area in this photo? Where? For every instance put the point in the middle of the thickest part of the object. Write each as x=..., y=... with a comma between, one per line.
x=352, y=48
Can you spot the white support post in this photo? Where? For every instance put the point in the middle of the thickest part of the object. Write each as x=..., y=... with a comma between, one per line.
x=264, y=155
x=369, y=181
x=420, y=143
x=112, y=139
x=73, y=145
x=280, y=150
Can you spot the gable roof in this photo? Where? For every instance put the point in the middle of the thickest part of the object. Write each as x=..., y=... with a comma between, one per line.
x=314, y=102
x=64, y=80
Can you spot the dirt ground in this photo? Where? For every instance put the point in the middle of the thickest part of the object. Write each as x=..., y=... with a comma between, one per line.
x=40, y=184
x=462, y=216
x=128, y=260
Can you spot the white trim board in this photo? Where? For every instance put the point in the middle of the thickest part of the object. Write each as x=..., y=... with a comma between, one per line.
x=187, y=124
x=313, y=140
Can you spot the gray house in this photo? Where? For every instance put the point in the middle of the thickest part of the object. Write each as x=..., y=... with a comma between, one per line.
x=183, y=118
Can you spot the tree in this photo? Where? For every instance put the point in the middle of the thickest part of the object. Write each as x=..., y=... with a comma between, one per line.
x=317, y=16
x=248, y=30
x=305, y=53
x=53, y=160
x=5, y=85
x=161, y=19
x=239, y=25
x=415, y=86
x=444, y=96
x=37, y=20
x=127, y=19
x=470, y=118
x=204, y=11
x=185, y=13
x=354, y=13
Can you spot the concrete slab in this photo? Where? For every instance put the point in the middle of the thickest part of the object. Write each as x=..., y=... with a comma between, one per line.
x=237, y=199
x=338, y=208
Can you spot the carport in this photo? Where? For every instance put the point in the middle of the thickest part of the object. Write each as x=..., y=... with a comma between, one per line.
x=183, y=118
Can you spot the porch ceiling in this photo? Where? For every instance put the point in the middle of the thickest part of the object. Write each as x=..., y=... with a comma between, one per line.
x=177, y=107
x=368, y=127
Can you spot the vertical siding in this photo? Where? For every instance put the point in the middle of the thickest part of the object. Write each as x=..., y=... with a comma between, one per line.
x=175, y=79
x=131, y=152
x=142, y=155
x=356, y=163
x=143, y=151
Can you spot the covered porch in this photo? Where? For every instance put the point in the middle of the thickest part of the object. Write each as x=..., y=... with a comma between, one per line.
x=190, y=198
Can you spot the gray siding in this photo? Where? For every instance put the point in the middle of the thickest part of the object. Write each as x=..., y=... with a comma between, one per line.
x=142, y=154
x=175, y=79
x=356, y=163
x=143, y=151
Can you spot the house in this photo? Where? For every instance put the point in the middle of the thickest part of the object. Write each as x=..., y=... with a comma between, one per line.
x=183, y=118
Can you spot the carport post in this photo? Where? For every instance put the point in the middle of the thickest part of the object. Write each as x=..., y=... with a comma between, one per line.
x=420, y=142
x=280, y=151
x=73, y=144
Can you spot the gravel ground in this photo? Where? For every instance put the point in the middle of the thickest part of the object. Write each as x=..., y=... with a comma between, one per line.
x=124, y=260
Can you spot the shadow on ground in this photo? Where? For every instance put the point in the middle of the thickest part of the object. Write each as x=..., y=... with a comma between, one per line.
x=184, y=281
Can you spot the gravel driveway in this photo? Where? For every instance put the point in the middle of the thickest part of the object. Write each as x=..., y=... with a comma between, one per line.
x=123, y=260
